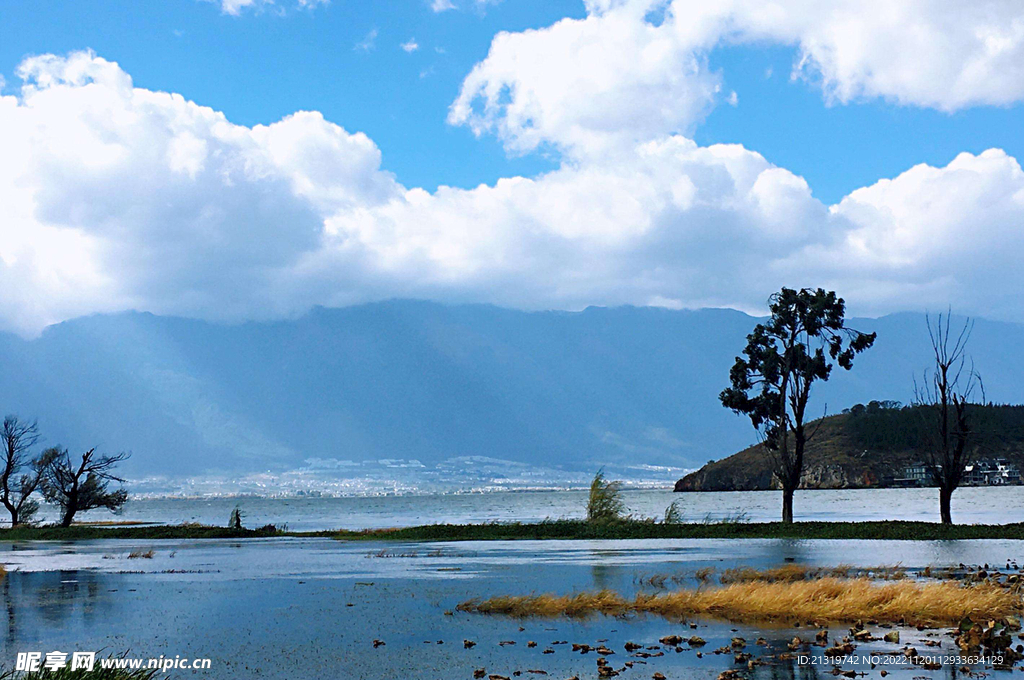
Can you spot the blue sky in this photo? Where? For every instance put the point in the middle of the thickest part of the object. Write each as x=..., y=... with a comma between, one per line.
x=262, y=65
x=584, y=140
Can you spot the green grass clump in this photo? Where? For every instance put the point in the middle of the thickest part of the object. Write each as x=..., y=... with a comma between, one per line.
x=605, y=501
x=673, y=515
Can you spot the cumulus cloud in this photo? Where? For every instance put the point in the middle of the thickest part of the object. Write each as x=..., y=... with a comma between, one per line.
x=937, y=235
x=410, y=45
x=118, y=197
x=584, y=85
x=633, y=70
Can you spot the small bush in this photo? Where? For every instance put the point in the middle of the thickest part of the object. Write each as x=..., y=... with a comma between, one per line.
x=605, y=502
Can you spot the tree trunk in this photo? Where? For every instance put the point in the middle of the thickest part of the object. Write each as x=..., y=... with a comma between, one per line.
x=787, y=505
x=11, y=509
x=945, y=496
x=69, y=515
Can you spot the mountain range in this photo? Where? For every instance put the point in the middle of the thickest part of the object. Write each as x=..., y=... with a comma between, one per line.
x=428, y=391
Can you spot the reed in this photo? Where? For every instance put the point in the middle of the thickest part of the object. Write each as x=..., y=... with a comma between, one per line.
x=605, y=503
x=820, y=601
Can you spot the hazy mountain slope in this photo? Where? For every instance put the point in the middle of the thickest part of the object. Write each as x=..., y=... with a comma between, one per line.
x=417, y=380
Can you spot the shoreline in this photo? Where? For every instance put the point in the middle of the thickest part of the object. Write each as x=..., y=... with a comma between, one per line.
x=549, y=530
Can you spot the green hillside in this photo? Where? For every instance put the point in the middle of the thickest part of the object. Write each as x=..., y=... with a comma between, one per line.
x=866, y=446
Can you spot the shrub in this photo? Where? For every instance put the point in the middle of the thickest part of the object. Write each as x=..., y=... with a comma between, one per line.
x=673, y=515
x=605, y=502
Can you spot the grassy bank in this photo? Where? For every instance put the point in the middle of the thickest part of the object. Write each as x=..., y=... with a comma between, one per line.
x=91, y=532
x=578, y=529
x=550, y=530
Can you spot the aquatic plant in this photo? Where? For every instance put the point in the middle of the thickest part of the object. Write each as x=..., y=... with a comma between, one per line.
x=139, y=554
x=822, y=600
x=799, y=572
x=605, y=501
x=740, y=517
x=673, y=515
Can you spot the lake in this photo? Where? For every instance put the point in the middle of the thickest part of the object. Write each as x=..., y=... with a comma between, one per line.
x=298, y=607
x=312, y=607
x=986, y=505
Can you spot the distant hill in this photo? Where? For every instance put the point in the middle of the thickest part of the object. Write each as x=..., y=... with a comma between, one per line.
x=864, y=447
x=407, y=387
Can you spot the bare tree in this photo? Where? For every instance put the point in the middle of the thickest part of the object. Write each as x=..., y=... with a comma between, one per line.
x=946, y=392
x=77, y=488
x=17, y=437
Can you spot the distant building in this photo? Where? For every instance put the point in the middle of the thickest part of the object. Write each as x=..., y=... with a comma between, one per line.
x=989, y=472
x=915, y=474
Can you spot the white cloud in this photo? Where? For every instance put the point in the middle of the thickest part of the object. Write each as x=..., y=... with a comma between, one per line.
x=410, y=45
x=636, y=69
x=446, y=5
x=937, y=235
x=237, y=7
x=118, y=197
x=368, y=42
x=583, y=85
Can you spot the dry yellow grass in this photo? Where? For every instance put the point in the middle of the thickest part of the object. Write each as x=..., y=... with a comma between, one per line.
x=3, y=572
x=821, y=601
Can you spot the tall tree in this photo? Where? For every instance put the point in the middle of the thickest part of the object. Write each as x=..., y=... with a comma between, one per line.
x=947, y=392
x=80, y=487
x=17, y=437
x=771, y=383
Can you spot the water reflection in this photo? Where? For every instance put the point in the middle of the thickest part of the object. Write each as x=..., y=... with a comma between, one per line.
x=39, y=601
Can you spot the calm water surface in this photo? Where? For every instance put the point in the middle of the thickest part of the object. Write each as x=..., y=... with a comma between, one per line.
x=287, y=607
x=970, y=505
x=311, y=607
